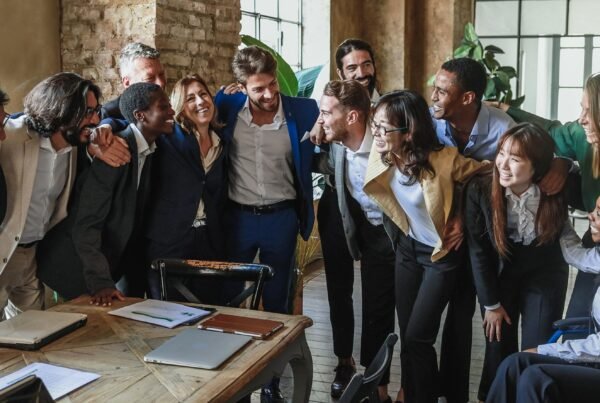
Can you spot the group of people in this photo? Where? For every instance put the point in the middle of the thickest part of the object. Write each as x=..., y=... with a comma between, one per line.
x=439, y=203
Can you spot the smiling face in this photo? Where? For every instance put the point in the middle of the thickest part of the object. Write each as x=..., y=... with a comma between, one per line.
x=146, y=70
x=515, y=171
x=198, y=105
x=358, y=65
x=158, y=118
x=263, y=91
x=91, y=119
x=585, y=120
x=333, y=119
x=446, y=95
x=385, y=142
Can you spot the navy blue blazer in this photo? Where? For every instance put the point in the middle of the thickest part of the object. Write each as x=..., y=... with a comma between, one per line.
x=179, y=182
x=300, y=114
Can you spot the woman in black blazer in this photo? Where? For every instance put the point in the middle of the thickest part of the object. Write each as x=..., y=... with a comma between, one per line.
x=190, y=186
x=513, y=231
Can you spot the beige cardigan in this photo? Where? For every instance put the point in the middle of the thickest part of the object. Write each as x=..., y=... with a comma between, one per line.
x=450, y=167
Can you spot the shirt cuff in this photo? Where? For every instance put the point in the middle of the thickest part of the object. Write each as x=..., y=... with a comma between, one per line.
x=492, y=307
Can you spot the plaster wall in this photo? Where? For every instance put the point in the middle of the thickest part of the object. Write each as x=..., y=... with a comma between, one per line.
x=30, y=46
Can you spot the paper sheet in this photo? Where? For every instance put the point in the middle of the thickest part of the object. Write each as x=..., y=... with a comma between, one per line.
x=162, y=313
x=59, y=381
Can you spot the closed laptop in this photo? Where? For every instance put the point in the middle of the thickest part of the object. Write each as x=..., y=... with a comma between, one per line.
x=197, y=349
x=31, y=330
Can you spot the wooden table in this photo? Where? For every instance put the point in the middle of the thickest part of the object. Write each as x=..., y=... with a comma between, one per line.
x=114, y=347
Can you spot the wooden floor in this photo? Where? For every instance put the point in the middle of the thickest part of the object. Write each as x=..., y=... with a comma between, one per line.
x=319, y=337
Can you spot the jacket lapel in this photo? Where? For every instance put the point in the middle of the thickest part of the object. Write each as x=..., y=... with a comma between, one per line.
x=293, y=133
x=31, y=149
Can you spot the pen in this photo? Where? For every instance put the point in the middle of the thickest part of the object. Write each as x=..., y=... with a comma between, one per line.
x=150, y=315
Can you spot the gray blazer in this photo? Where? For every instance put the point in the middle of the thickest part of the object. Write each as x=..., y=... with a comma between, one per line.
x=334, y=163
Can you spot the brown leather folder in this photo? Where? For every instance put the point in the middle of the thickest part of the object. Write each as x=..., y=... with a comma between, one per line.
x=256, y=328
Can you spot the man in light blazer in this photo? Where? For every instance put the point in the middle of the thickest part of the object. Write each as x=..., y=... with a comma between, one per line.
x=345, y=109
x=38, y=158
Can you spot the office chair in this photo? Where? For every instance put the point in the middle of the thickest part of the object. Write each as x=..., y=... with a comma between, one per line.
x=364, y=387
x=172, y=271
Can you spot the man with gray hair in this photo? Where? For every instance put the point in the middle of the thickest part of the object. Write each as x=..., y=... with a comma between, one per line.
x=137, y=63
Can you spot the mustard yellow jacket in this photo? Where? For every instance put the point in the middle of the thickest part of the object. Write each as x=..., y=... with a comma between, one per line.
x=438, y=190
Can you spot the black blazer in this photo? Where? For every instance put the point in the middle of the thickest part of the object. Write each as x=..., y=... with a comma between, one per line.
x=86, y=252
x=179, y=182
x=485, y=261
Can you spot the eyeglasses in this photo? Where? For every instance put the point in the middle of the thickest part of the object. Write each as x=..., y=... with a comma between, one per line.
x=89, y=112
x=378, y=130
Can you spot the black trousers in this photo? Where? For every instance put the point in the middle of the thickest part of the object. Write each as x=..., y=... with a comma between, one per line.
x=533, y=378
x=423, y=289
x=457, y=336
x=339, y=273
x=377, y=278
x=533, y=288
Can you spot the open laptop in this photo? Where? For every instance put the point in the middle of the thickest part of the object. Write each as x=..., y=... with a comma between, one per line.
x=31, y=330
x=198, y=349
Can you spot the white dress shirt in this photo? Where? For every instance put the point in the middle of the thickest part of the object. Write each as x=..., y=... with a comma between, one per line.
x=50, y=179
x=143, y=150
x=356, y=169
x=521, y=212
x=412, y=201
x=588, y=260
x=261, y=164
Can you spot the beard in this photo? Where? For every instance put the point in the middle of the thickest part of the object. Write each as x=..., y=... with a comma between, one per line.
x=73, y=136
x=262, y=107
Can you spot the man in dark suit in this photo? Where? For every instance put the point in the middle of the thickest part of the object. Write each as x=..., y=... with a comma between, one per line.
x=270, y=184
x=137, y=63
x=101, y=241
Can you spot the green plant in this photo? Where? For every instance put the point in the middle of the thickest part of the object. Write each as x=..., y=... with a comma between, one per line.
x=498, y=85
x=299, y=84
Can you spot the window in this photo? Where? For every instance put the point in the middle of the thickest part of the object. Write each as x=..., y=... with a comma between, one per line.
x=555, y=45
x=277, y=23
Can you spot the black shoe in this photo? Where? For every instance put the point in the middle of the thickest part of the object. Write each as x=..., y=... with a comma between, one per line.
x=343, y=374
x=271, y=393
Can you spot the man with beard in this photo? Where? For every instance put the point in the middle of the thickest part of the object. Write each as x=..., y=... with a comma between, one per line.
x=270, y=184
x=355, y=61
x=345, y=109
x=38, y=157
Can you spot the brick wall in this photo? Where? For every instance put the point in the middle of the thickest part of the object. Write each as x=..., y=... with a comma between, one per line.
x=198, y=36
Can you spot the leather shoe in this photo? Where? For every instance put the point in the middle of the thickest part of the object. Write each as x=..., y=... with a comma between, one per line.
x=343, y=374
x=271, y=394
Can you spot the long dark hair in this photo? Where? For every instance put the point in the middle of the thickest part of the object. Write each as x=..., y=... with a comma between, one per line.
x=536, y=145
x=405, y=108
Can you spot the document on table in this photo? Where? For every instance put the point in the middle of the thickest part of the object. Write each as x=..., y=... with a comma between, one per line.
x=162, y=313
x=59, y=381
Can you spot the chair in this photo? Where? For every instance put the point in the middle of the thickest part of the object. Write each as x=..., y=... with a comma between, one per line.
x=362, y=387
x=173, y=270
x=583, y=326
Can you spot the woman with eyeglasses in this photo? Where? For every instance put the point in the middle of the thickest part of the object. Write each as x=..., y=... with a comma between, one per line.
x=513, y=232
x=412, y=176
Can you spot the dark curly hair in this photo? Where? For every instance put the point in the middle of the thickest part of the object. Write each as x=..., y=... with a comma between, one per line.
x=137, y=97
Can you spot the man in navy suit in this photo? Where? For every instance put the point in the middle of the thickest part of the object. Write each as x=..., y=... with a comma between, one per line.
x=270, y=186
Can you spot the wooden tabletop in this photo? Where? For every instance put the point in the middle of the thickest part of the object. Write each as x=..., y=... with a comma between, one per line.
x=114, y=347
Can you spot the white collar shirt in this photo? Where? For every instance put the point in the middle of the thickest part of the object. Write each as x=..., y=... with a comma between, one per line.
x=143, y=150
x=521, y=212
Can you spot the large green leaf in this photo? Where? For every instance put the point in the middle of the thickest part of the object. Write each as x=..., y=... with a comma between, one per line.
x=306, y=80
x=504, y=79
x=462, y=51
x=470, y=34
x=510, y=71
x=478, y=52
x=490, y=62
x=493, y=49
x=288, y=84
x=490, y=89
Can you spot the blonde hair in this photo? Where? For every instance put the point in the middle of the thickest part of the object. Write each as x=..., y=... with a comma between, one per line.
x=178, y=101
x=592, y=88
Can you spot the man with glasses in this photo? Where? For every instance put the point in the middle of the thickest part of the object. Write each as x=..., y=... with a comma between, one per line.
x=345, y=109
x=38, y=154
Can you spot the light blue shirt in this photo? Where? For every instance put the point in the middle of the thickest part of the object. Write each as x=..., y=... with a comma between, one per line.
x=490, y=125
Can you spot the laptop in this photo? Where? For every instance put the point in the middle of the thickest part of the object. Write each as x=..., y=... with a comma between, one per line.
x=198, y=349
x=31, y=330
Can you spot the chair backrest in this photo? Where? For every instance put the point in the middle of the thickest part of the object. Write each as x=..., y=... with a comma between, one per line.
x=362, y=387
x=172, y=270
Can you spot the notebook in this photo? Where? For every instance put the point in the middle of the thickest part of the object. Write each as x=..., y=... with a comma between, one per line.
x=197, y=349
x=33, y=329
x=242, y=325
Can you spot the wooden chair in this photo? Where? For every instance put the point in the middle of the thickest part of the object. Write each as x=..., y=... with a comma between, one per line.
x=173, y=270
x=364, y=387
